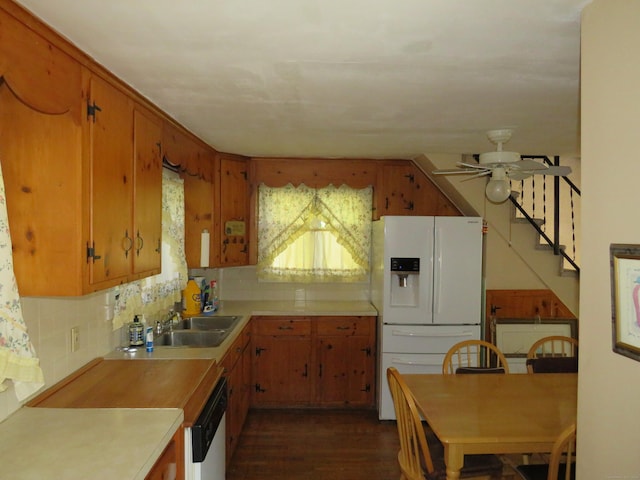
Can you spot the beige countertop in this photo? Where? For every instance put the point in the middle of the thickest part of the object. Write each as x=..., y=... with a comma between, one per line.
x=79, y=444
x=97, y=443
x=247, y=309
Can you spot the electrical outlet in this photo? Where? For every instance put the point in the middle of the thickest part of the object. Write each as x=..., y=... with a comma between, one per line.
x=75, y=339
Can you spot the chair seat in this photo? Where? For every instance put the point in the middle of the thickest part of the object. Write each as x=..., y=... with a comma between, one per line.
x=480, y=370
x=474, y=465
x=540, y=471
x=554, y=364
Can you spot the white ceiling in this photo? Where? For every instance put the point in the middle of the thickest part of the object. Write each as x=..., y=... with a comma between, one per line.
x=344, y=78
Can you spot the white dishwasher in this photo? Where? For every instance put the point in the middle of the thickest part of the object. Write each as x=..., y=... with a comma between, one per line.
x=204, y=442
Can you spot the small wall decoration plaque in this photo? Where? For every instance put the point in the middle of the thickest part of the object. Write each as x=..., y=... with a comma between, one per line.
x=625, y=299
x=234, y=227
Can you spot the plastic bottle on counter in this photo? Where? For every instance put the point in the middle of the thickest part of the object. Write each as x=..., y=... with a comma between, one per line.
x=136, y=332
x=149, y=339
x=192, y=300
x=215, y=301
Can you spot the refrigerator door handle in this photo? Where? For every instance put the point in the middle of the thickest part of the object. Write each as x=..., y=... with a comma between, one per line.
x=405, y=333
x=399, y=361
x=437, y=268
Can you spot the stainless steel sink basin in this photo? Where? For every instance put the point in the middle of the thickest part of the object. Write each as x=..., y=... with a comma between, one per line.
x=210, y=322
x=192, y=338
x=200, y=331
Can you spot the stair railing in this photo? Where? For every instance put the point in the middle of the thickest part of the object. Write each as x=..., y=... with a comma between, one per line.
x=552, y=214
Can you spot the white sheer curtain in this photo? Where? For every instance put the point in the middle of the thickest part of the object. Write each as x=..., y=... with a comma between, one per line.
x=307, y=234
x=18, y=361
x=154, y=296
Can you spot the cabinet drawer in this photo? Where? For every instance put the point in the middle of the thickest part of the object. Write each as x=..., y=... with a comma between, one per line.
x=283, y=326
x=343, y=325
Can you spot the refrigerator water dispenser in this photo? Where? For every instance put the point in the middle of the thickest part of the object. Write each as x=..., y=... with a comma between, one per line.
x=405, y=281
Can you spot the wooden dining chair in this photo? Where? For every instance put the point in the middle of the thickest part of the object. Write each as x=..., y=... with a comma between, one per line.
x=553, y=354
x=561, y=464
x=416, y=459
x=474, y=356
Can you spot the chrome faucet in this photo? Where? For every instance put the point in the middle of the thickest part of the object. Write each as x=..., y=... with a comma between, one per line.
x=172, y=318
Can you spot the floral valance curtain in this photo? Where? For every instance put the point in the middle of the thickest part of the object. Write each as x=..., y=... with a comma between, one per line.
x=154, y=296
x=286, y=213
x=18, y=360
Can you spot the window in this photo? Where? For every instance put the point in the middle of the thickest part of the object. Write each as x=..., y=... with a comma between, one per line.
x=314, y=235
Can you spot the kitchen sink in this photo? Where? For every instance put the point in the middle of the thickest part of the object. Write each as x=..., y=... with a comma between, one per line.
x=199, y=331
x=192, y=338
x=210, y=322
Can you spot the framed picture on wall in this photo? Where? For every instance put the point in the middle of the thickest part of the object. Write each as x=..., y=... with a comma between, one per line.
x=625, y=299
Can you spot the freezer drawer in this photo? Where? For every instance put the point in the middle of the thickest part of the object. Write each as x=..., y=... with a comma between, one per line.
x=405, y=363
x=425, y=338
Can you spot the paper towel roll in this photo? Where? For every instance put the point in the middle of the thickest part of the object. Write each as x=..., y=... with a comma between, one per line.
x=204, y=249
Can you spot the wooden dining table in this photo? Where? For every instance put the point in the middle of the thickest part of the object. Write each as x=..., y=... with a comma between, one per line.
x=516, y=413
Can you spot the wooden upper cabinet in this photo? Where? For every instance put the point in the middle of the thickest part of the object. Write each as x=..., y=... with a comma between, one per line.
x=41, y=163
x=403, y=189
x=234, y=210
x=147, y=206
x=396, y=195
x=109, y=138
x=196, y=165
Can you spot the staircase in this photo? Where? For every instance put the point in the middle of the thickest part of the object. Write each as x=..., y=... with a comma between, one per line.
x=515, y=256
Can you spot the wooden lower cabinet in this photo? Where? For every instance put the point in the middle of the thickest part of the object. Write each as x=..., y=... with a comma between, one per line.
x=237, y=369
x=313, y=361
x=170, y=465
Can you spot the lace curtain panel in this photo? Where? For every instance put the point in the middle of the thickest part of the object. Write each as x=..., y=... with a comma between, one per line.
x=315, y=217
x=154, y=296
x=18, y=361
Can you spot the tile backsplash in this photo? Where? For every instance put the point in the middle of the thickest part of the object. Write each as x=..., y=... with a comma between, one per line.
x=241, y=283
x=49, y=322
x=50, y=319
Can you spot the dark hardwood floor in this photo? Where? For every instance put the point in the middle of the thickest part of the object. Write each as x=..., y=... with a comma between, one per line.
x=318, y=444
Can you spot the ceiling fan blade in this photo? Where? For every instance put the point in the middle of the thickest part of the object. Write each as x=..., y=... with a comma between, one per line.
x=475, y=166
x=557, y=171
x=528, y=165
x=479, y=174
x=519, y=175
x=459, y=171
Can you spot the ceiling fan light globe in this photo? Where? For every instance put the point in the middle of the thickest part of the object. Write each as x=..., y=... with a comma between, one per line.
x=498, y=158
x=498, y=191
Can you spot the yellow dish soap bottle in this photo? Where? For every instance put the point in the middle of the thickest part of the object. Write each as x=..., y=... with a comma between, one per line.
x=192, y=300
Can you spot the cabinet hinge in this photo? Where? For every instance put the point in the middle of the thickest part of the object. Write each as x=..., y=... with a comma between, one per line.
x=259, y=389
x=367, y=388
x=259, y=351
x=244, y=174
x=91, y=252
x=409, y=205
x=367, y=351
x=92, y=109
x=410, y=177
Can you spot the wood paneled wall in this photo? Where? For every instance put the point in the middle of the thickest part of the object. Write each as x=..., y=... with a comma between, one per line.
x=523, y=304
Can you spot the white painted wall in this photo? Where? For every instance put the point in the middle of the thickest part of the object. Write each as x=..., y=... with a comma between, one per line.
x=608, y=387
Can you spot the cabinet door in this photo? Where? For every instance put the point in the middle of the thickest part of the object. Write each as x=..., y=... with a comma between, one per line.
x=234, y=210
x=237, y=369
x=345, y=354
x=110, y=124
x=396, y=195
x=405, y=190
x=196, y=165
x=281, y=370
x=147, y=209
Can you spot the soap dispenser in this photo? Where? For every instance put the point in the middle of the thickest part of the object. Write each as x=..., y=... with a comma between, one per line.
x=136, y=332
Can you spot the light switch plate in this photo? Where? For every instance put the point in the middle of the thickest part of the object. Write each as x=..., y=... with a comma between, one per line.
x=75, y=339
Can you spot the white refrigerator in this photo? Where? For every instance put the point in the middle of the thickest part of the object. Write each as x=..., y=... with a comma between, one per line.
x=426, y=283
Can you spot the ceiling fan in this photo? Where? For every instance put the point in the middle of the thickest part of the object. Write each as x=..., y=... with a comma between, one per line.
x=503, y=166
